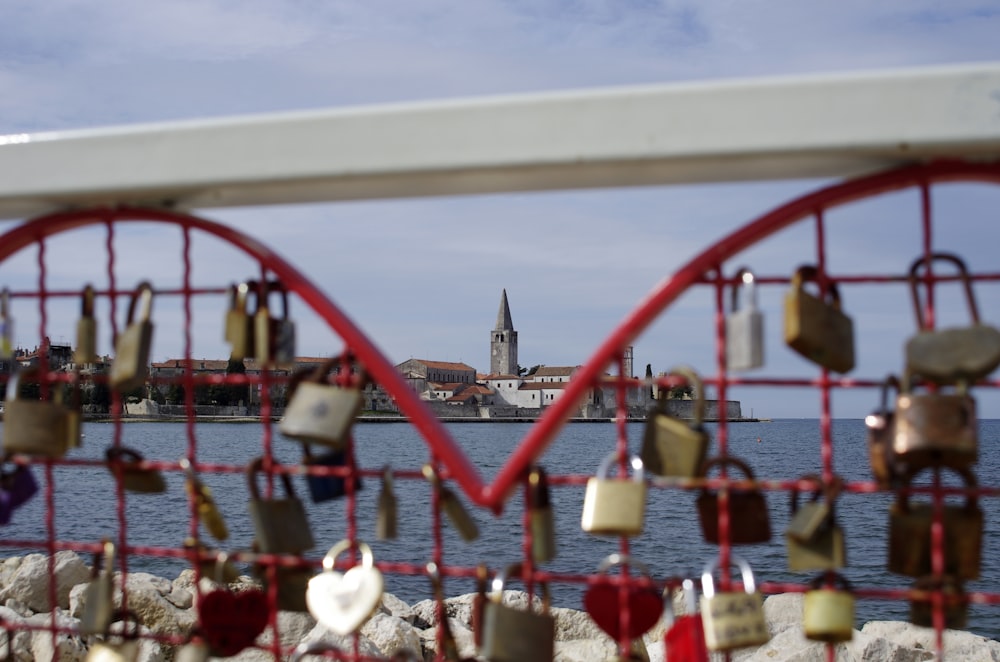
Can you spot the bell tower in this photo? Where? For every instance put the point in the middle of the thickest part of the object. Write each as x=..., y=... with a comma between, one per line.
x=503, y=342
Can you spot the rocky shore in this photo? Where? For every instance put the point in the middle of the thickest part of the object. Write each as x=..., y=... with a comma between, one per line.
x=166, y=607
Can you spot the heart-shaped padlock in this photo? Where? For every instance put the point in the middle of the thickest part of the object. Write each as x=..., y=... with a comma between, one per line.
x=231, y=621
x=343, y=602
x=603, y=601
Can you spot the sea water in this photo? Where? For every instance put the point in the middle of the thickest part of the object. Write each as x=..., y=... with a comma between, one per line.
x=671, y=544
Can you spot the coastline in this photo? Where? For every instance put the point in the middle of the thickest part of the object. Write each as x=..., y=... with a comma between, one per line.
x=377, y=419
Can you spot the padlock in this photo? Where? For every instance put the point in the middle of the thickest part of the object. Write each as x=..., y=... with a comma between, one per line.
x=343, y=602
x=744, y=327
x=239, y=329
x=98, y=603
x=603, y=601
x=127, y=647
x=935, y=429
x=201, y=494
x=17, y=486
x=231, y=621
x=74, y=413
x=735, y=619
x=749, y=521
x=671, y=446
x=817, y=329
x=291, y=581
x=948, y=355
x=281, y=525
x=86, y=330
x=449, y=647
x=543, y=528
x=615, y=506
x=127, y=465
x=207, y=562
x=910, y=534
x=327, y=488
x=274, y=337
x=386, y=515
x=813, y=539
x=128, y=370
x=34, y=427
x=452, y=507
x=6, y=326
x=828, y=609
x=512, y=635
x=945, y=589
x=318, y=411
x=881, y=427
x=684, y=635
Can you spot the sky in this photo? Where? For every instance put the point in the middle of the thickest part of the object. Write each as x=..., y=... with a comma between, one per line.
x=423, y=277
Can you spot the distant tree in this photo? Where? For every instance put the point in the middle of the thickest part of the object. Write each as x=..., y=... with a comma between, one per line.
x=100, y=397
x=236, y=392
x=680, y=392
x=175, y=394
x=533, y=369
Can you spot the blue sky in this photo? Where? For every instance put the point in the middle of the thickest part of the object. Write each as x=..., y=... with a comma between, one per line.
x=423, y=277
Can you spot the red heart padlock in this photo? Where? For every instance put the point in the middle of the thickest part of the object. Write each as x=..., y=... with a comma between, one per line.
x=684, y=638
x=231, y=621
x=603, y=602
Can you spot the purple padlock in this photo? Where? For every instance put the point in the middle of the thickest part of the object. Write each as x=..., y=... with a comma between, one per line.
x=16, y=487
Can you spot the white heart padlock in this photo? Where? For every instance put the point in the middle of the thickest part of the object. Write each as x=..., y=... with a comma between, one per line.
x=343, y=602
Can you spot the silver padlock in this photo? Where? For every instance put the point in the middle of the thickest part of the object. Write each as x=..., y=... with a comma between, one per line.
x=744, y=326
x=319, y=411
x=512, y=635
x=735, y=619
x=615, y=506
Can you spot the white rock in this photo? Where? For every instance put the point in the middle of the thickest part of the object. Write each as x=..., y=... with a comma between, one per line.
x=390, y=634
x=958, y=644
x=29, y=583
x=393, y=606
x=585, y=650
x=21, y=644
x=464, y=639
x=67, y=647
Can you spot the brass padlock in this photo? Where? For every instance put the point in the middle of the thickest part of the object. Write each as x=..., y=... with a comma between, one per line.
x=881, y=427
x=814, y=540
x=239, y=328
x=274, y=337
x=935, y=429
x=35, y=427
x=734, y=619
x=292, y=584
x=945, y=590
x=125, y=650
x=947, y=355
x=281, y=525
x=744, y=327
x=320, y=412
x=127, y=465
x=386, y=516
x=749, y=521
x=543, y=528
x=452, y=507
x=131, y=364
x=512, y=635
x=828, y=609
x=615, y=506
x=910, y=534
x=86, y=330
x=817, y=329
x=98, y=603
x=671, y=446
x=6, y=326
x=808, y=520
x=201, y=494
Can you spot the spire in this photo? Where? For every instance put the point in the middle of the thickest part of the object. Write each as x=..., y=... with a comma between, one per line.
x=504, y=322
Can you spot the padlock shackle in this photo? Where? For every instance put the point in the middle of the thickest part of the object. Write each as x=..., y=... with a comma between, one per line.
x=829, y=490
x=330, y=560
x=87, y=301
x=697, y=392
x=144, y=295
x=257, y=465
x=809, y=273
x=830, y=578
x=708, y=583
x=926, y=261
x=238, y=295
x=264, y=290
x=123, y=455
x=906, y=383
x=891, y=381
x=744, y=280
x=971, y=500
x=726, y=460
x=638, y=472
x=104, y=560
x=617, y=559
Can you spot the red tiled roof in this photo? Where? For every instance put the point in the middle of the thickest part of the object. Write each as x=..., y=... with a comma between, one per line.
x=445, y=365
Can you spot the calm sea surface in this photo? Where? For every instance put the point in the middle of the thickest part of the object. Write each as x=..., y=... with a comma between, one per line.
x=671, y=543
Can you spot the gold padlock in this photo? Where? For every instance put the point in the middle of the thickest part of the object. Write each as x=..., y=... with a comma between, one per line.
x=828, y=609
x=808, y=520
x=129, y=369
x=945, y=590
x=86, y=330
x=386, y=515
x=814, y=540
x=817, y=329
x=671, y=446
x=543, y=528
x=98, y=604
x=35, y=427
x=281, y=525
x=6, y=326
x=881, y=427
x=935, y=429
x=735, y=619
x=321, y=412
x=201, y=494
x=239, y=326
x=948, y=355
x=910, y=534
x=452, y=507
x=512, y=635
x=615, y=506
x=749, y=521
x=127, y=465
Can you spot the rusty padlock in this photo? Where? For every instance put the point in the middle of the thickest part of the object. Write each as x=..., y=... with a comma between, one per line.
x=670, y=445
x=126, y=464
x=828, y=609
x=280, y=525
x=615, y=506
x=910, y=534
x=513, y=635
x=818, y=329
x=813, y=539
x=744, y=326
x=881, y=430
x=749, y=521
x=935, y=429
x=35, y=427
x=734, y=619
x=320, y=412
x=966, y=353
x=274, y=337
x=944, y=588
x=131, y=364
x=86, y=330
